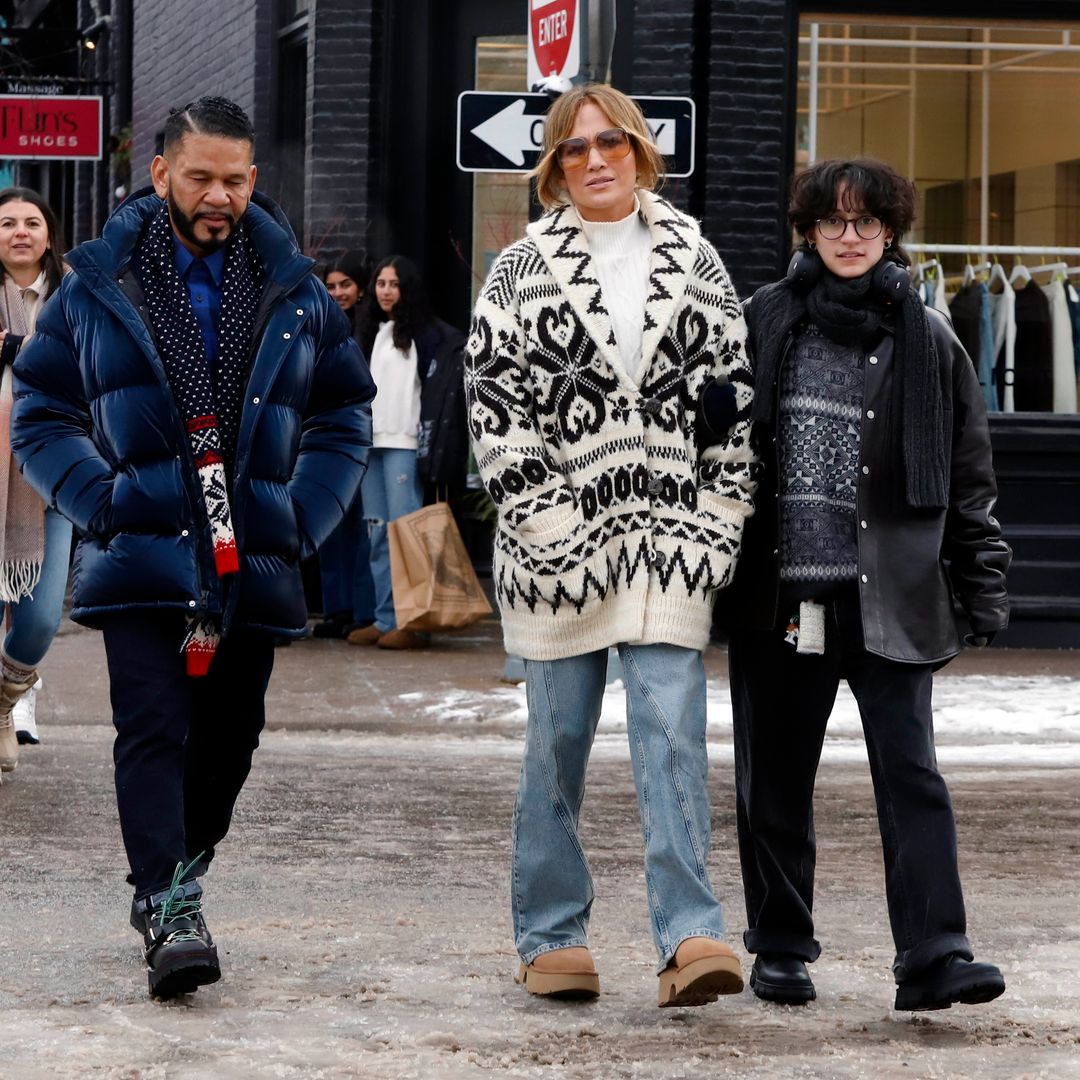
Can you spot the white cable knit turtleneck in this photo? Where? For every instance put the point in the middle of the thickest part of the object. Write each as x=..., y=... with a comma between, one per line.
x=621, y=251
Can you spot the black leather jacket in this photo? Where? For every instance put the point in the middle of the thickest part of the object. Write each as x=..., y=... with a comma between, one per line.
x=912, y=563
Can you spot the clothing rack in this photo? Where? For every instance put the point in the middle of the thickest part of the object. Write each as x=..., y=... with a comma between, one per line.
x=991, y=249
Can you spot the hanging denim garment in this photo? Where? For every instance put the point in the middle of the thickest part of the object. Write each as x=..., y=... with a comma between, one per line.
x=987, y=354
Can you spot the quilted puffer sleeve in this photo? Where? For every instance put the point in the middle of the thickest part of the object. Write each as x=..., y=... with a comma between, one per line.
x=336, y=435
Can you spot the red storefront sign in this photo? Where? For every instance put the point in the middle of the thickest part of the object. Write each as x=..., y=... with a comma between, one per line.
x=50, y=128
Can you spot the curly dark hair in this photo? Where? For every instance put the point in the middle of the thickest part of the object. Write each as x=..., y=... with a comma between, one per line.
x=411, y=313
x=867, y=184
x=52, y=261
x=208, y=115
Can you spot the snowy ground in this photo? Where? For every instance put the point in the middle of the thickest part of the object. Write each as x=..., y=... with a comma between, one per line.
x=361, y=903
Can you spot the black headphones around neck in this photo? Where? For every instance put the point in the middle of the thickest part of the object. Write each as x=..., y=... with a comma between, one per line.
x=889, y=281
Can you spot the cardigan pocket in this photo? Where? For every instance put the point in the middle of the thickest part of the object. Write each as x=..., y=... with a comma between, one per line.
x=564, y=564
x=550, y=525
x=721, y=526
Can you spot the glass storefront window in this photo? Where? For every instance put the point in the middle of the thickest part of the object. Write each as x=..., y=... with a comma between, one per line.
x=500, y=200
x=984, y=116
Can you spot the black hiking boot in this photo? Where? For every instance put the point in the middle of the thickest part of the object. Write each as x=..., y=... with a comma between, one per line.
x=180, y=954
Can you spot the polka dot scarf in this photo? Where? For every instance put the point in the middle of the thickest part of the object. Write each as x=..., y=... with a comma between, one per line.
x=210, y=399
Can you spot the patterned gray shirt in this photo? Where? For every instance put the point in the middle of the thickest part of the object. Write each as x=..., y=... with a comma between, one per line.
x=821, y=395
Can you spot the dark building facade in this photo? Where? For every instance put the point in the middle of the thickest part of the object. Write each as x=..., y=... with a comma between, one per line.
x=355, y=105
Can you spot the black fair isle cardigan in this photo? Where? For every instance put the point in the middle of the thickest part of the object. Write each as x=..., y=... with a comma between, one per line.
x=611, y=526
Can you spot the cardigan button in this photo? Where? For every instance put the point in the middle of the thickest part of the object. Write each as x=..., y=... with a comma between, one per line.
x=655, y=486
x=866, y=470
x=191, y=603
x=651, y=406
x=862, y=524
x=299, y=311
x=658, y=560
x=183, y=532
x=869, y=414
x=873, y=359
x=864, y=579
x=287, y=336
x=255, y=401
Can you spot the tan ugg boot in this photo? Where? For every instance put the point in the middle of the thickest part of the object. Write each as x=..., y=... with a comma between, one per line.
x=563, y=973
x=10, y=692
x=701, y=970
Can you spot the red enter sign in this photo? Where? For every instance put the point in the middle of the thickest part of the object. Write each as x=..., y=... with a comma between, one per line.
x=50, y=128
x=552, y=26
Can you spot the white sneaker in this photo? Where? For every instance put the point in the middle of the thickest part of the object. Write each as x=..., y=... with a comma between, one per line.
x=25, y=716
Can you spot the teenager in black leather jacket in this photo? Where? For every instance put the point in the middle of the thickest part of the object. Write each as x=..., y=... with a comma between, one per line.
x=873, y=515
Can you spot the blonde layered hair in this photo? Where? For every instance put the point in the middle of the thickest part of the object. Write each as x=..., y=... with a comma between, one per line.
x=622, y=111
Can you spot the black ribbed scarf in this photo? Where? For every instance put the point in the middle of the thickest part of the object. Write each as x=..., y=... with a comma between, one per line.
x=847, y=312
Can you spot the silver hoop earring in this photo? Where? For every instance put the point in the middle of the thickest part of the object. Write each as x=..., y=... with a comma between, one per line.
x=888, y=244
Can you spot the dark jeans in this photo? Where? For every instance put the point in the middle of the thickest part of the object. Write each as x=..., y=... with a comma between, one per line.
x=183, y=746
x=781, y=702
x=345, y=569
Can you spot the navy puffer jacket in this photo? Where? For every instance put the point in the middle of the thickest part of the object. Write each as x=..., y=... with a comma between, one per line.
x=96, y=431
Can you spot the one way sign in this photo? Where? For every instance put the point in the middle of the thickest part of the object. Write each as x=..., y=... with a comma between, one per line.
x=499, y=132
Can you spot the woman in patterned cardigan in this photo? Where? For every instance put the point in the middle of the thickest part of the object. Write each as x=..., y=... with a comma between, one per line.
x=591, y=341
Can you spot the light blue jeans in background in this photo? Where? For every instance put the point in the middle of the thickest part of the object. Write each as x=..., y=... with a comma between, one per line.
x=552, y=889
x=389, y=490
x=36, y=618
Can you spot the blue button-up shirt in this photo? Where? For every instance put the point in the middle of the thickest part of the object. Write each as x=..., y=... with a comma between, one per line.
x=203, y=278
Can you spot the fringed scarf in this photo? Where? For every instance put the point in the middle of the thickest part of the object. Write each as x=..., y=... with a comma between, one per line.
x=847, y=311
x=22, y=510
x=210, y=398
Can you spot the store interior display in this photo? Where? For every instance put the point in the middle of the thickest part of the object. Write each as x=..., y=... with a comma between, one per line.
x=962, y=108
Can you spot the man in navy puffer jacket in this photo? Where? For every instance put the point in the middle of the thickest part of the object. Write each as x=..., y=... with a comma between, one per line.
x=193, y=400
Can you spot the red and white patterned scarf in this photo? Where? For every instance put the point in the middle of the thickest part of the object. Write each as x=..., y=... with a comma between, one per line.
x=210, y=397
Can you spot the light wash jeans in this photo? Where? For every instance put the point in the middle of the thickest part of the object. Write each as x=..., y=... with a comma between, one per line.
x=36, y=618
x=389, y=490
x=552, y=889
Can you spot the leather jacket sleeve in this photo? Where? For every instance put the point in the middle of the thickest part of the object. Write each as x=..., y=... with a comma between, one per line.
x=978, y=556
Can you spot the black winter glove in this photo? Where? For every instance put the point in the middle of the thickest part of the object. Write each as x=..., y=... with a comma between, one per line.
x=716, y=412
x=12, y=345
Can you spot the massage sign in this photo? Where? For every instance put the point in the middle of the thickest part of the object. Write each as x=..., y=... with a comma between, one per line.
x=52, y=128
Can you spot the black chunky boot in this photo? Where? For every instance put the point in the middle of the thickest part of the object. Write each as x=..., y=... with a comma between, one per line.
x=783, y=979
x=952, y=980
x=180, y=954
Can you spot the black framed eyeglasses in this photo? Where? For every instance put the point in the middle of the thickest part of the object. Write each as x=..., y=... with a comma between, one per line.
x=866, y=226
x=613, y=144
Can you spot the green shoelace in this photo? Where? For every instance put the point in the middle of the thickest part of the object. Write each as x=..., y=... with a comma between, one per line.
x=177, y=905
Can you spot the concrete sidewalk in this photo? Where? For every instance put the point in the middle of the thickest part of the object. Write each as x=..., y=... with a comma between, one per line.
x=361, y=901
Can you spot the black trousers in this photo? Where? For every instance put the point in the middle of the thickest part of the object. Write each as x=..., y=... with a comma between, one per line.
x=781, y=702
x=183, y=746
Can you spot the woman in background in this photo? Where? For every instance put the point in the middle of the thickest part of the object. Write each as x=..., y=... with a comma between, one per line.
x=419, y=438
x=35, y=541
x=348, y=591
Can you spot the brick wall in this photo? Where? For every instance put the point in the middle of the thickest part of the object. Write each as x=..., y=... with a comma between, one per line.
x=183, y=49
x=664, y=58
x=340, y=130
x=732, y=57
x=750, y=136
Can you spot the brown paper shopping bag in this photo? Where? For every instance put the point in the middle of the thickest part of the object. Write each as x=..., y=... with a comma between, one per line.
x=435, y=585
